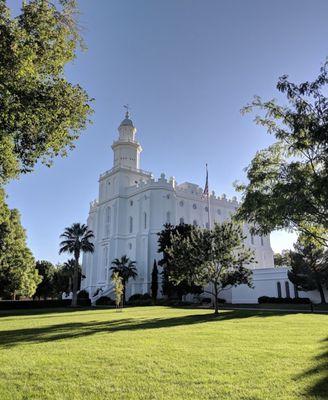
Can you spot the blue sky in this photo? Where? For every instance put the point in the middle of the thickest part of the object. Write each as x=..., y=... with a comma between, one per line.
x=186, y=67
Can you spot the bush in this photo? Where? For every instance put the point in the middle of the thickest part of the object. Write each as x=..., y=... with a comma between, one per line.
x=221, y=301
x=206, y=300
x=283, y=300
x=31, y=304
x=105, y=301
x=139, y=299
x=83, y=294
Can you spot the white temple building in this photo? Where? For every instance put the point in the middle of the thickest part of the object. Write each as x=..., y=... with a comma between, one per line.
x=132, y=208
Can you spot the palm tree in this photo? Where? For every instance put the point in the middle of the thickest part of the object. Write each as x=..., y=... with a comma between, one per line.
x=76, y=240
x=126, y=270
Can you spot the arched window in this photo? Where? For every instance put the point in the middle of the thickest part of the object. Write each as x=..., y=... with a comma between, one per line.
x=181, y=220
x=262, y=241
x=287, y=289
x=252, y=239
x=130, y=224
x=145, y=220
x=279, y=289
x=168, y=217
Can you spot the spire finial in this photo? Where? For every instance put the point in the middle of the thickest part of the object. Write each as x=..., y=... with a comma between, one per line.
x=128, y=108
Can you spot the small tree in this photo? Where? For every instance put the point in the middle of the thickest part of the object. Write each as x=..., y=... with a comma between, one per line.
x=77, y=239
x=154, y=282
x=47, y=271
x=126, y=270
x=309, y=264
x=118, y=289
x=212, y=258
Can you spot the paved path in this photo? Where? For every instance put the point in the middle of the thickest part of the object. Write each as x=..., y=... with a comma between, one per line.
x=317, y=311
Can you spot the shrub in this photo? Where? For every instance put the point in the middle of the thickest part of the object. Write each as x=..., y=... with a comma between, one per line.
x=105, y=301
x=32, y=304
x=206, y=300
x=283, y=300
x=139, y=299
x=83, y=294
x=221, y=301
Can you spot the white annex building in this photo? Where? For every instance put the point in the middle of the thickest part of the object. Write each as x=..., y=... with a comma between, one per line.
x=132, y=208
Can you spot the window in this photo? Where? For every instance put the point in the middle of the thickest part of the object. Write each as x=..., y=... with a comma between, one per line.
x=296, y=292
x=130, y=224
x=206, y=209
x=262, y=241
x=168, y=217
x=145, y=220
x=287, y=290
x=105, y=256
x=279, y=289
x=194, y=206
x=107, y=221
x=195, y=223
x=130, y=246
x=207, y=225
x=181, y=203
x=131, y=203
x=167, y=196
x=181, y=220
x=252, y=239
x=219, y=211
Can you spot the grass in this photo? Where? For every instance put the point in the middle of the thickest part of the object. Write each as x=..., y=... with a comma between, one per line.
x=162, y=353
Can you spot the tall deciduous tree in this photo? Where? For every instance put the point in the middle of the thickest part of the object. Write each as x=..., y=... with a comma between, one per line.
x=154, y=282
x=77, y=239
x=170, y=288
x=215, y=259
x=309, y=266
x=18, y=275
x=126, y=270
x=41, y=113
x=288, y=181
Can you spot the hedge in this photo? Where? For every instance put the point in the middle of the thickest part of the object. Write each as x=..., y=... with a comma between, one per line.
x=283, y=300
x=30, y=304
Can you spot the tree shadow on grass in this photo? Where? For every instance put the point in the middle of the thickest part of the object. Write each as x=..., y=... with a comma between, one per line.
x=319, y=389
x=73, y=330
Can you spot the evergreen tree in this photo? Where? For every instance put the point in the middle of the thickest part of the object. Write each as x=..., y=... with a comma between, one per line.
x=46, y=287
x=154, y=282
x=18, y=275
x=215, y=259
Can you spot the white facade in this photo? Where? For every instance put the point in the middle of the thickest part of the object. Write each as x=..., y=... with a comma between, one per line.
x=132, y=208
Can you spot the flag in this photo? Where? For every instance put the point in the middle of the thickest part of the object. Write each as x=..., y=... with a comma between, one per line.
x=205, y=192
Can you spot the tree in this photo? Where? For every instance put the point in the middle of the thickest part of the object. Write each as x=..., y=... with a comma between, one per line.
x=18, y=275
x=126, y=269
x=170, y=288
x=281, y=259
x=118, y=289
x=77, y=240
x=47, y=271
x=154, y=282
x=41, y=113
x=309, y=266
x=213, y=258
x=288, y=181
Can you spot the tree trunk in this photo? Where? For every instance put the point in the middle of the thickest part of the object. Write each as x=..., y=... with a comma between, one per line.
x=75, y=282
x=322, y=293
x=216, y=303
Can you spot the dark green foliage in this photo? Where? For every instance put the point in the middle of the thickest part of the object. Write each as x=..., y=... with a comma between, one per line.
x=41, y=113
x=34, y=304
x=77, y=239
x=105, y=301
x=139, y=299
x=283, y=300
x=83, y=294
x=215, y=259
x=154, y=282
x=126, y=269
x=18, y=275
x=288, y=181
x=46, y=287
x=169, y=288
x=309, y=267
x=281, y=259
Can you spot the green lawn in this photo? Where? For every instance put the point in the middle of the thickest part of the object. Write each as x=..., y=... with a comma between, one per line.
x=162, y=353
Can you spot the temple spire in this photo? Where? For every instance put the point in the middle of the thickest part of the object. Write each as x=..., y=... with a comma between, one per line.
x=127, y=108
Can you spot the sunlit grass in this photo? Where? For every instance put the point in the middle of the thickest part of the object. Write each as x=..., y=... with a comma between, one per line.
x=162, y=353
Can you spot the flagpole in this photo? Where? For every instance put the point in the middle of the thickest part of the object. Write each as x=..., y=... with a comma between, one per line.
x=208, y=201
